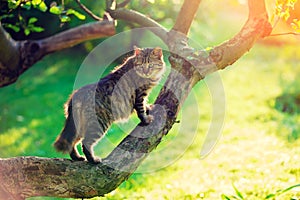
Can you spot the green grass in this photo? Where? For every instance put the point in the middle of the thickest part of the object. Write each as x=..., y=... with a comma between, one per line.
x=258, y=153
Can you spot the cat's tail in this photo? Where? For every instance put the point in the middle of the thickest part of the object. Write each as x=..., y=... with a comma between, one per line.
x=62, y=145
x=64, y=142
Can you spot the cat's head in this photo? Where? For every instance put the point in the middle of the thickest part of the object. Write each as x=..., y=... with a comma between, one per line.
x=148, y=62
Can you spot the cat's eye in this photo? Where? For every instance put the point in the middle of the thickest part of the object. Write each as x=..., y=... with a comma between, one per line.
x=151, y=66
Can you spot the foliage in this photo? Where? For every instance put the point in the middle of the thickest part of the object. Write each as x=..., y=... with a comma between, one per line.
x=296, y=25
x=15, y=15
x=22, y=18
x=239, y=195
x=283, y=9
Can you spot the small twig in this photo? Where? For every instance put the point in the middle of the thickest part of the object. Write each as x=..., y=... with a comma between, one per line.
x=123, y=4
x=88, y=11
x=288, y=33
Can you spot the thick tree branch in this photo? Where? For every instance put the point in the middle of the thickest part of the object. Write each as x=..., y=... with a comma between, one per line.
x=11, y=48
x=186, y=16
x=257, y=26
x=123, y=4
x=23, y=54
x=142, y=20
x=77, y=35
x=9, y=52
x=256, y=8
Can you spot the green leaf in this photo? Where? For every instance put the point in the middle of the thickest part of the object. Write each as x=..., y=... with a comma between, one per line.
x=279, y=192
x=37, y=29
x=65, y=19
x=224, y=197
x=75, y=13
x=13, y=4
x=270, y=196
x=27, y=31
x=36, y=2
x=289, y=188
x=27, y=5
x=13, y=27
x=32, y=20
x=238, y=193
x=57, y=10
x=42, y=7
x=5, y=16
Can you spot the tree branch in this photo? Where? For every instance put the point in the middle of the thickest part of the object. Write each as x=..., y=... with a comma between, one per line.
x=9, y=52
x=23, y=54
x=186, y=16
x=142, y=20
x=77, y=35
x=89, y=12
x=257, y=26
x=123, y=4
x=287, y=33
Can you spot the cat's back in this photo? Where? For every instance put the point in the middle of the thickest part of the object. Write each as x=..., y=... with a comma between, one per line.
x=84, y=95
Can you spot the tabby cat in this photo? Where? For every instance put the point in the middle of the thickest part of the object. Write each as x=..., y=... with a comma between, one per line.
x=93, y=108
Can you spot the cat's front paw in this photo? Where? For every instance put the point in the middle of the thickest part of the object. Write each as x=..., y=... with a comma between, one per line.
x=146, y=119
x=149, y=108
x=94, y=160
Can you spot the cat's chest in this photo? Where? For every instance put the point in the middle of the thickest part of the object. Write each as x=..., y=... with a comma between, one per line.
x=117, y=97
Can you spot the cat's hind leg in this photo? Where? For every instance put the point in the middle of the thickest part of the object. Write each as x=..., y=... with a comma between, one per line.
x=91, y=138
x=87, y=148
x=75, y=155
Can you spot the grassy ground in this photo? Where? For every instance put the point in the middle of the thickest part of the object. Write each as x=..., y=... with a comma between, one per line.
x=258, y=152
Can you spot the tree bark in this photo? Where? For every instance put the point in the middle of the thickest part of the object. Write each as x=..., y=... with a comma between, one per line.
x=186, y=15
x=140, y=19
x=31, y=176
x=9, y=52
x=256, y=27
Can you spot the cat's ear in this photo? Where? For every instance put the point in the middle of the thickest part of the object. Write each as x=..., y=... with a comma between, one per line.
x=137, y=50
x=157, y=51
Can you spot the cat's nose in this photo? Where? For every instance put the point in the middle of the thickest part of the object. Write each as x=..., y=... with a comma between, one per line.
x=146, y=70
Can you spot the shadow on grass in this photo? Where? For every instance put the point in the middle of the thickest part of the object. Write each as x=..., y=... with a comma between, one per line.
x=31, y=110
x=288, y=104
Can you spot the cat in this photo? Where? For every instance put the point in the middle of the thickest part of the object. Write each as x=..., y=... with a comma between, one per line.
x=91, y=109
